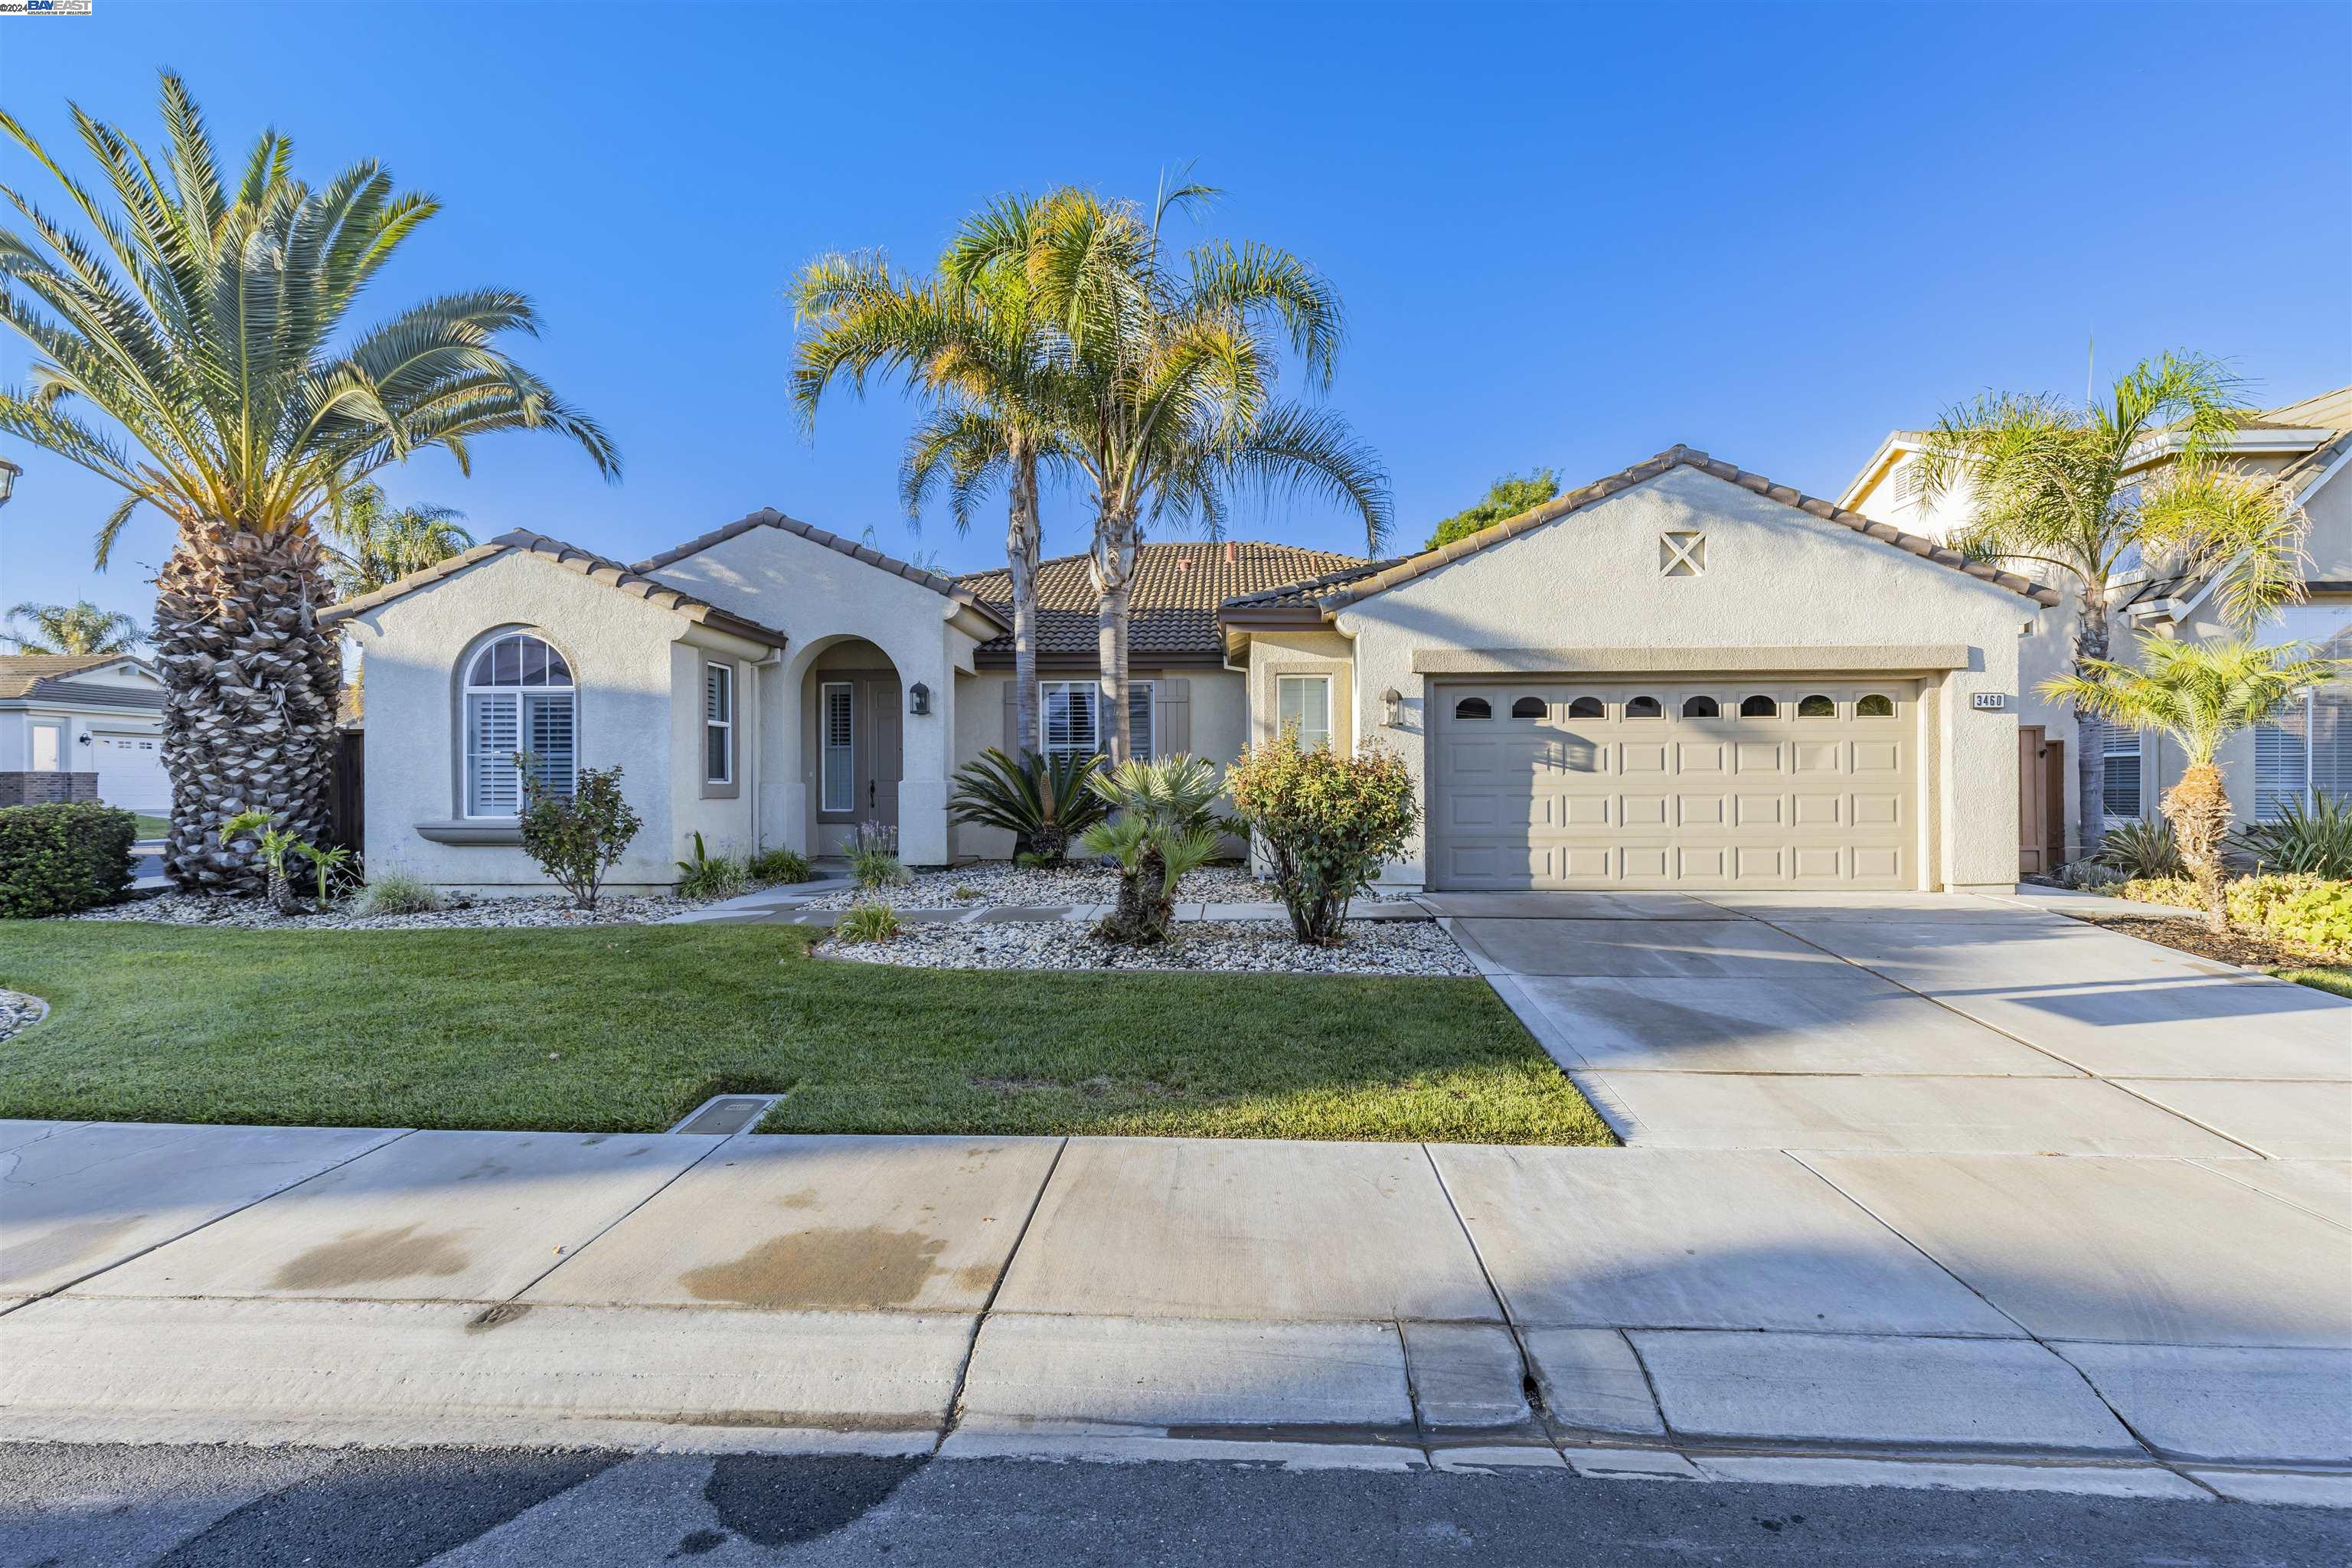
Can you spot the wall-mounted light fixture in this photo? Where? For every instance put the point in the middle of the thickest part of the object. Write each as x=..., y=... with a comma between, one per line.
x=1392, y=707
x=918, y=699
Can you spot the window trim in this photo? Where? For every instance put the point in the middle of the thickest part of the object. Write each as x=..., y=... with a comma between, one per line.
x=1330, y=741
x=825, y=746
x=468, y=693
x=726, y=787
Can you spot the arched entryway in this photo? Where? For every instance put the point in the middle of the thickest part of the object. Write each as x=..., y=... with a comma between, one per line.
x=854, y=736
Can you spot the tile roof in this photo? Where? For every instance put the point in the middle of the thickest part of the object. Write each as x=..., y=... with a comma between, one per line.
x=1177, y=590
x=595, y=567
x=2328, y=411
x=49, y=675
x=1380, y=576
x=769, y=516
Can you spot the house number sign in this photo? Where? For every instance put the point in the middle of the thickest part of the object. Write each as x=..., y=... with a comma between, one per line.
x=1993, y=700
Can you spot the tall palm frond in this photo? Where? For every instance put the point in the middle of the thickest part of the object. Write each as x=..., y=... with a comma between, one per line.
x=373, y=543
x=2198, y=693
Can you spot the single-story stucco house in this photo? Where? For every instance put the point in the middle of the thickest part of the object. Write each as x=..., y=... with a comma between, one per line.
x=1681, y=676
x=82, y=726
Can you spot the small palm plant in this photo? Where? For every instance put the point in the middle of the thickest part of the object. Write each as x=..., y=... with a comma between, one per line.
x=1162, y=831
x=2200, y=694
x=1041, y=799
x=275, y=843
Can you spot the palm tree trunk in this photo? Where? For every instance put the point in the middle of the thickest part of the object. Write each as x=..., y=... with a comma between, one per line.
x=1112, y=564
x=250, y=688
x=2198, y=809
x=2090, y=753
x=1022, y=545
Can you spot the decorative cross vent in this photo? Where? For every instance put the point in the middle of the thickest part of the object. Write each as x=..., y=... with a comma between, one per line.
x=1681, y=552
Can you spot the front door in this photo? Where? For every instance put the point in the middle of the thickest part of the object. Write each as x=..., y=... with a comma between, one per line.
x=2033, y=833
x=879, y=752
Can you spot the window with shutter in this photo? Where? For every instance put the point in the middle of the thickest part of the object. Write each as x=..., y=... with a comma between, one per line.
x=2119, y=779
x=837, y=781
x=719, y=723
x=518, y=696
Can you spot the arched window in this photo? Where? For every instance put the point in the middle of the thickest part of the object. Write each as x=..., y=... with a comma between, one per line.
x=1529, y=708
x=1760, y=708
x=1585, y=707
x=1645, y=707
x=1874, y=706
x=1701, y=708
x=1474, y=708
x=1817, y=707
x=518, y=696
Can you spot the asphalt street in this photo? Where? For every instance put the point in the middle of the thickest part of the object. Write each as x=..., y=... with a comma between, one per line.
x=107, y=1507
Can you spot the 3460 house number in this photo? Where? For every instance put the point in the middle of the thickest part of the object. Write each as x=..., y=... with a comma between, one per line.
x=1992, y=700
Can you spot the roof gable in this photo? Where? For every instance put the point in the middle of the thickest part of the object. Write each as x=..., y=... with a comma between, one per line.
x=1380, y=576
x=769, y=516
x=51, y=675
x=1177, y=592
x=595, y=567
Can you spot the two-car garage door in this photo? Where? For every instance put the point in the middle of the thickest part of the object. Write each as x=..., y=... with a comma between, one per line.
x=1689, y=784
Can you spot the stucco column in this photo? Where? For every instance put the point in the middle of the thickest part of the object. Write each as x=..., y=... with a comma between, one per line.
x=782, y=805
x=927, y=752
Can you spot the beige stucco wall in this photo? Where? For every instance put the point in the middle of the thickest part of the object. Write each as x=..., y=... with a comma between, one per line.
x=637, y=667
x=817, y=596
x=1776, y=578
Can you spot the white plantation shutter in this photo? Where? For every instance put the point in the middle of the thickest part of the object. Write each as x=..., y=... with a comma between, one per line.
x=837, y=787
x=1066, y=717
x=492, y=738
x=549, y=737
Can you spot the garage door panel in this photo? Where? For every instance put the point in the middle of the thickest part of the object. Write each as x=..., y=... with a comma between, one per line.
x=1751, y=790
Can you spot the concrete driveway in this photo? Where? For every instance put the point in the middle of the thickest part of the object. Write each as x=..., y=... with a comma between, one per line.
x=1912, y=1023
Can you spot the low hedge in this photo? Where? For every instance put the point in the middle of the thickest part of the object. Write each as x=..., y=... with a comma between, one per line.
x=55, y=859
x=2311, y=912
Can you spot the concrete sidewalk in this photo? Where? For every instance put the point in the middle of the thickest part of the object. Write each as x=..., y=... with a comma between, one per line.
x=2145, y=1326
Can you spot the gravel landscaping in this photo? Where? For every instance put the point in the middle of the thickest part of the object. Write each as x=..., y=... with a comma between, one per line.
x=1249, y=947
x=994, y=884
x=254, y=914
x=18, y=1011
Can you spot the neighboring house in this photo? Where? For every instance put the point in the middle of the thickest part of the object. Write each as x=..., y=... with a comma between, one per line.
x=83, y=727
x=1681, y=676
x=2308, y=443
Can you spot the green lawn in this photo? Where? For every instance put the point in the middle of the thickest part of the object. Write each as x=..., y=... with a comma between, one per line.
x=628, y=1027
x=152, y=827
x=2335, y=978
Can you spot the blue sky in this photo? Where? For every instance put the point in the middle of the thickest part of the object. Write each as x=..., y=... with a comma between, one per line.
x=1565, y=235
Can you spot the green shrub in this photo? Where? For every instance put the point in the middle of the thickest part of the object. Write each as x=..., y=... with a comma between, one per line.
x=2142, y=850
x=2177, y=891
x=874, y=857
x=2310, y=911
x=576, y=837
x=55, y=859
x=771, y=867
x=1160, y=832
x=398, y=893
x=2317, y=841
x=1042, y=801
x=709, y=876
x=1328, y=820
x=2089, y=875
x=868, y=922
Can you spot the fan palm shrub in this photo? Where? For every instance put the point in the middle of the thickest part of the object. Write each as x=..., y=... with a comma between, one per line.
x=2316, y=840
x=2141, y=849
x=81, y=627
x=1165, y=403
x=2200, y=694
x=1043, y=801
x=209, y=320
x=1160, y=831
x=2055, y=486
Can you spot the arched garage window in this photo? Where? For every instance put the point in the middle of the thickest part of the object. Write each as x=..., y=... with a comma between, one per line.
x=1760, y=706
x=518, y=696
x=1645, y=707
x=1585, y=707
x=1817, y=707
x=1874, y=706
x=1474, y=708
x=1701, y=708
x=1529, y=708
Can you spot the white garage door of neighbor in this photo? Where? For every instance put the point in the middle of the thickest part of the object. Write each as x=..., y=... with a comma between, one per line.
x=1683, y=784
x=130, y=771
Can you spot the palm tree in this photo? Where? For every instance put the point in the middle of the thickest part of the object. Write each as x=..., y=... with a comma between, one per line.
x=375, y=543
x=2051, y=485
x=79, y=628
x=1166, y=397
x=992, y=373
x=210, y=320
x=2201, y=694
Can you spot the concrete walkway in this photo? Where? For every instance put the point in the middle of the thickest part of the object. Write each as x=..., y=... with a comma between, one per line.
x=2143, y=1326
x=1910, y=1022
